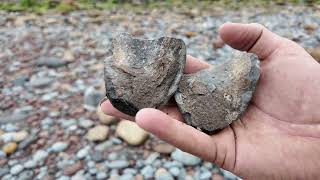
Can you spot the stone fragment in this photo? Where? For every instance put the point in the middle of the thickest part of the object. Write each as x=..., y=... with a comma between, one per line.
x=143, y=73
x=104, y=118
x=131, y=132
x=212, y=98
x=98, y=133
x=9, y=148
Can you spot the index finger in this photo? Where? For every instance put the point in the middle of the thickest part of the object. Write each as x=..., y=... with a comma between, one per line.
x=194, y=65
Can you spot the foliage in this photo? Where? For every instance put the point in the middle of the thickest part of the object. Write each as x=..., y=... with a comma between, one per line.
x=42, y=6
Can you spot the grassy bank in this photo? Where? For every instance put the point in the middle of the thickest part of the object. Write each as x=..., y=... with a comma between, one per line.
x=42, y=6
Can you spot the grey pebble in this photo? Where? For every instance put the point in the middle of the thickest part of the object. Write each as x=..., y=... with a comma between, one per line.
x=51, y=62
x=151, y=158
x=126, y=177
x=175, y=171
x=113, y=156
x=147, y=171
x=130, y=171
x=29, y=140
x=117, y=164
x=185, y=158
x=16, y=169
x=85, y=123
x=59, y=146
x=63, y=178
x=26, y=175
x=2, y=154
x=7, y=177
x=30, y=164
x=82, y=153
x=12, y=118
x=103, y=146
x=164, y=175
x=101, y=175
x=170, y=164
x=40, y=82
x=20, y=80
x=205, y=175
x=40, y=156
x=116, y=140
x=3, y=171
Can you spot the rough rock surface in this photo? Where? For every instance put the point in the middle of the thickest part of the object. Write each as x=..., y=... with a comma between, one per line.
x=143, y=73
x=212, y=98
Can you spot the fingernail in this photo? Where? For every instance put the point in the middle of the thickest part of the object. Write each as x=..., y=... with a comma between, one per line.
x=103, y=100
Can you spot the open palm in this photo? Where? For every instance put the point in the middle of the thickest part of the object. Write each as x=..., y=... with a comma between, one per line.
x=279, y=135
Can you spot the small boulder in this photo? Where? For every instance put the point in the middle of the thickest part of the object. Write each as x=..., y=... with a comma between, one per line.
x=213, y=98
x=143, y=73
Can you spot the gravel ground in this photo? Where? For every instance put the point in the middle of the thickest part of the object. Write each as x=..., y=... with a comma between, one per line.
x=51, y=81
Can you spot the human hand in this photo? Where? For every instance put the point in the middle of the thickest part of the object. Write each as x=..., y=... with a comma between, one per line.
x=279, y=135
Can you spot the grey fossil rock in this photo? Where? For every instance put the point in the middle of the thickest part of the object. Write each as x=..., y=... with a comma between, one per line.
x=212, y=98
x=143, y=73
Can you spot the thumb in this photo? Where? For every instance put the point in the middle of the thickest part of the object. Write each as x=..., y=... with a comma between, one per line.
x=219, y=148
x=253, y=38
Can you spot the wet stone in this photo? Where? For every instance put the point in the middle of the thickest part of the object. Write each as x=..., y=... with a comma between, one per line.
x=213, y=98
x=143, y=73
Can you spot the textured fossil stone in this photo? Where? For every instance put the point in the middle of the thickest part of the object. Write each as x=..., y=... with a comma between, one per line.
x=212, y=98
x=143, y=73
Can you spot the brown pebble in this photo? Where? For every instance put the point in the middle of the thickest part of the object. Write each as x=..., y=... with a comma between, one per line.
x=190, y=34
x=164, y=148
x=3, y=162
x=310, y=27
x=71, y=170
x=218, y=43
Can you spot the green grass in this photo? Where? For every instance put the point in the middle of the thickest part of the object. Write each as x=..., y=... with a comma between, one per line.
x=42, y=6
